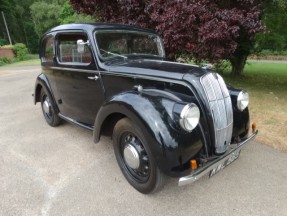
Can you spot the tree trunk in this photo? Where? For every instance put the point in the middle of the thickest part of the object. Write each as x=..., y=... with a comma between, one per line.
x=238, y=64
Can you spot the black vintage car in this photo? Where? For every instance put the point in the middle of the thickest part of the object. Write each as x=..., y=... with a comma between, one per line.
x=165, y=118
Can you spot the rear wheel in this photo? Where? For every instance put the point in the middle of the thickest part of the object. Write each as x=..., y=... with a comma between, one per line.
x=48, y=109
x=135, y=159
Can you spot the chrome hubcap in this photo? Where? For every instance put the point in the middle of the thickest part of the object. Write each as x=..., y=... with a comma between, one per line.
x=47, y=106
x=131, y=156
x=134, y=157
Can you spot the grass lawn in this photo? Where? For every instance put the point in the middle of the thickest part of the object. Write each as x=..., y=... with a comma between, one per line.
x=267, y=87
x=31, y=62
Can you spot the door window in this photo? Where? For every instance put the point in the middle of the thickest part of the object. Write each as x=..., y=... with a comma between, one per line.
x=67, y=49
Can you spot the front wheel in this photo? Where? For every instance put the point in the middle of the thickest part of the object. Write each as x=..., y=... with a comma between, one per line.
x=135, y=159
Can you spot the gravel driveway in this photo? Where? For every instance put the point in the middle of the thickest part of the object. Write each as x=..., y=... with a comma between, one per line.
x=60, y=171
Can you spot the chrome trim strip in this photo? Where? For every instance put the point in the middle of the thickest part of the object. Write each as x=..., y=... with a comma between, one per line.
x=210, y=166
x=170, y=62
x=75, y=122
x=74, y=69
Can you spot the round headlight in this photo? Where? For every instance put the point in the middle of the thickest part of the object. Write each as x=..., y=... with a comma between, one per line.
x=189, y=117
x=242, y=100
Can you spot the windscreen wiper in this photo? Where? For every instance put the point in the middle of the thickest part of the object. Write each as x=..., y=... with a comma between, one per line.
x=114, y=54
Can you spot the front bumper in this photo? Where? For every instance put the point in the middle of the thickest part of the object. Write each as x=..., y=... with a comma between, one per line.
x=234, y=148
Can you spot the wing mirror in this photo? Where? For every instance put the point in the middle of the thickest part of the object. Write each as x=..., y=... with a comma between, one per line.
x=207, y=66
x=81, y=45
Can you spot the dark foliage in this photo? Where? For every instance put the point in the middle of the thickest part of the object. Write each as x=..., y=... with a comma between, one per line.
x=274, y=38
x=19, y=22
x=209, y=29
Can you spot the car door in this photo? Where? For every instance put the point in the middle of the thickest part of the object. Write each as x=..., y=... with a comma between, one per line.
x=80, y=90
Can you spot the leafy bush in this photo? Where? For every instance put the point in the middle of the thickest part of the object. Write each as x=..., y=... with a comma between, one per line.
x=272, y=52
x=6, y=60
x=222, y=66
x=7, y=46
x=21, y=51
x=3, y=41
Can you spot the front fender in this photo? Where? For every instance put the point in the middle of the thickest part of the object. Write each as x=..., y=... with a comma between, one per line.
x=154, y=115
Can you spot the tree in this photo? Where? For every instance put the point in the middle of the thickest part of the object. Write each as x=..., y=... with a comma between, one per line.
x=68, y=15
x=275, y=35
x=45, y=16
x=18, y=19
x=209, y=29
x=28, y=19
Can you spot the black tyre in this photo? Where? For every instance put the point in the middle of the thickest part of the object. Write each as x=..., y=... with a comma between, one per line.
x=135, y=159
x=49, y=110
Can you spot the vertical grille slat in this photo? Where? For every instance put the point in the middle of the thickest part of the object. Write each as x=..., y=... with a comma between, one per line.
x=208, y=85
x=223, y=86
x=221, y=107
x=223, y=117
x=216, y=88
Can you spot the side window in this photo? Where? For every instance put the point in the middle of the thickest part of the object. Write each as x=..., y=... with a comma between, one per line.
x=48, y=50
x=67, y=49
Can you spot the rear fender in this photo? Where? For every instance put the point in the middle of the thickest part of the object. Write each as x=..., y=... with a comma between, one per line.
x=42, y=82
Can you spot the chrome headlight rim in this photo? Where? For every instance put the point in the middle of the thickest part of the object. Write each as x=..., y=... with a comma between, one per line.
x=189, y=117
x=242, y=100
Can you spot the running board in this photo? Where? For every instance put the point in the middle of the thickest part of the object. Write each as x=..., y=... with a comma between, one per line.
x=86, y=126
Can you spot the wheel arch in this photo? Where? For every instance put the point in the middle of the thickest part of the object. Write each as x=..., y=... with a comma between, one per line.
x=43, y=83
x=37, y=94
x=152, y=115
x=135, y=106
x=109, y=123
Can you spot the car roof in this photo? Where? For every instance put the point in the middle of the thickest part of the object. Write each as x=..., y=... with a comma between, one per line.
x=96, y=26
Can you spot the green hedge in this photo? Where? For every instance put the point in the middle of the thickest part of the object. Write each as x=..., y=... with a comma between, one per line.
x=20, y=51
x=5, y=60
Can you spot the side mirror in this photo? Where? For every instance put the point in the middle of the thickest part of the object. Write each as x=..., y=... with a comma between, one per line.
x=207, y=66
x=81, y=45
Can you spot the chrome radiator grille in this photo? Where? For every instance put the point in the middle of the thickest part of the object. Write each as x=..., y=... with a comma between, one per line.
x=221, y=107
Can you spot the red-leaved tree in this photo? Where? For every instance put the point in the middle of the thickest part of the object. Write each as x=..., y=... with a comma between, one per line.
x=209, y=29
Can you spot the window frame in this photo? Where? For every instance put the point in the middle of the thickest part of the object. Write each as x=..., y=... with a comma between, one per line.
x=57, y=48
x=104, y=59
x=43, y=52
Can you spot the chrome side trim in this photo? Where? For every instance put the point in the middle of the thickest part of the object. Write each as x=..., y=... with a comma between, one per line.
x=178, y=63
x=75, y=122
x=211, y=165
x=74, y=69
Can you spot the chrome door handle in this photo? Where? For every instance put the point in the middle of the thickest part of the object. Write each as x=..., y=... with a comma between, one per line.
x=93, y=77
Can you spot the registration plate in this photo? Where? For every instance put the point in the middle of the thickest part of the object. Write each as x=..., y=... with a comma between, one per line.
x=231, y=158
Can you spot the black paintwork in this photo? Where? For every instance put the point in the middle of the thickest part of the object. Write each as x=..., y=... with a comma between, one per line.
x=167, y=87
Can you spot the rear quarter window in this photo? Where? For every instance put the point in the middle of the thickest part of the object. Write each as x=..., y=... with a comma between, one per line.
x=49, y=50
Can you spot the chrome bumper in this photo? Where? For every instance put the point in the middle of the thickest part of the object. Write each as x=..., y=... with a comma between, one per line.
x=194, y=176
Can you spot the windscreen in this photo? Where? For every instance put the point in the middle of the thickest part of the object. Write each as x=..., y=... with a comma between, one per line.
x=127, y=43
